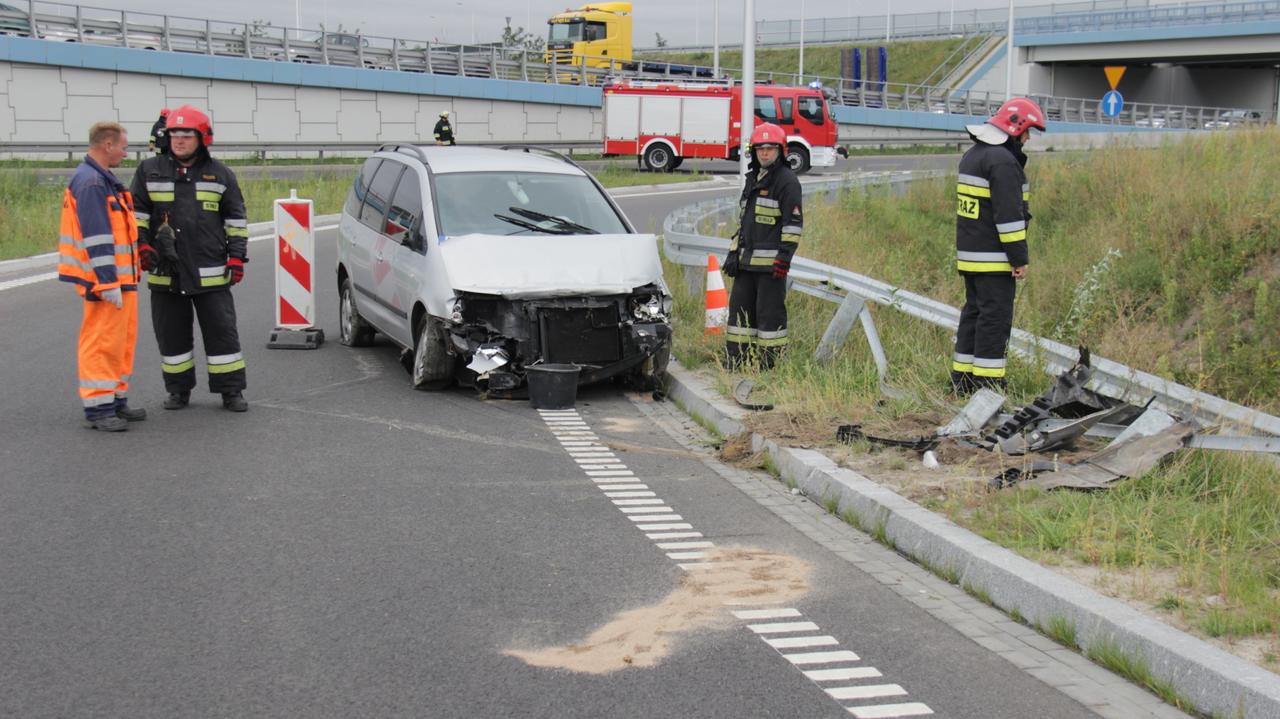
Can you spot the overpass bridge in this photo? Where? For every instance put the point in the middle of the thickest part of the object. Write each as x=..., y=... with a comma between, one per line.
x=62, y=66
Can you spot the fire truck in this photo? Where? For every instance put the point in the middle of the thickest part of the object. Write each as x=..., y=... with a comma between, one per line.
x=663, y=122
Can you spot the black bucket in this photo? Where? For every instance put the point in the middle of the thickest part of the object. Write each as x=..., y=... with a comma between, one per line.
x=552, y=386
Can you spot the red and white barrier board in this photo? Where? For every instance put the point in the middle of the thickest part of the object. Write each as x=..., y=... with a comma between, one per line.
x=295, y=298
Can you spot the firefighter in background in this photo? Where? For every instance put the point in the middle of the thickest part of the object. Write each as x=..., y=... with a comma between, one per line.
x=991, y=241
x=444, y=131
x=159, y=143
x=761, y=251
x=193, y=239
x=98, y=253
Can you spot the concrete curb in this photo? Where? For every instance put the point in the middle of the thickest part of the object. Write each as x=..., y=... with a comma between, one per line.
x=1215, y=682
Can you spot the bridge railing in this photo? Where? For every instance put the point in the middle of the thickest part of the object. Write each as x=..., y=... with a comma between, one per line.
x=54, y=21
x=1052, y=17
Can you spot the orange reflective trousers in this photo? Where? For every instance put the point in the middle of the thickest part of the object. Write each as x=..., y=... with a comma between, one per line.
x=108, y=337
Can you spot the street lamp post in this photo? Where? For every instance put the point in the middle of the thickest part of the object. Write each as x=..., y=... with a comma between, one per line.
x=747, y=122
x=1008, y=58
x=715, y=38
x=888, y=20
x=800, y=77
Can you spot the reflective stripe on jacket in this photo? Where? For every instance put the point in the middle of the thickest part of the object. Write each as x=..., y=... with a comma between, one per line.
x=991, y=211
x=203, y=205
x=97, y=243
x=772, y=219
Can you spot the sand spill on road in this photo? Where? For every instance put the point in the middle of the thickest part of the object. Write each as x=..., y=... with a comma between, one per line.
x=642, y=637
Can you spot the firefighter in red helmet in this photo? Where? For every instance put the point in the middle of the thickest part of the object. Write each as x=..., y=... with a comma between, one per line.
x=991, y=241
x=760, y=252
x=193, y=240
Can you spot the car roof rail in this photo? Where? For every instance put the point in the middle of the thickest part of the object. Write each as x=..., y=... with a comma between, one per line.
x=546, y=150
x=402, y=147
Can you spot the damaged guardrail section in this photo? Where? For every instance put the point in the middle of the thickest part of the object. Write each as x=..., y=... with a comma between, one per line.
x=1211, y=680
x=684, y=244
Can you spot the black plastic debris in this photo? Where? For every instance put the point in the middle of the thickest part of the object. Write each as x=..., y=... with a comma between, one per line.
x=849, y=433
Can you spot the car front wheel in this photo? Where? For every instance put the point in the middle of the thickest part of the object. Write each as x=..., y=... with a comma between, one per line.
x=432, y=366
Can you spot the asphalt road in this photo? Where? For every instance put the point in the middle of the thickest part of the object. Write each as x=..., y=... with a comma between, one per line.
x=351, y=547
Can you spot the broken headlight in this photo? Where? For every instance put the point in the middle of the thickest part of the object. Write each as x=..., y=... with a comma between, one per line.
x=454, y=307
x=646, y=307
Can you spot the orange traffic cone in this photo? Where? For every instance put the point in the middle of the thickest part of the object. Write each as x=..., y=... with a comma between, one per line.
x=717, y=298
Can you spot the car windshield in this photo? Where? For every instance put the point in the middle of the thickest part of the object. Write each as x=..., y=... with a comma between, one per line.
x=470, y=201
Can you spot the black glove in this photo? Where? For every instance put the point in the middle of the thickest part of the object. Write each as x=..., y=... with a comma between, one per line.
x=731, y=264
x=166, y=244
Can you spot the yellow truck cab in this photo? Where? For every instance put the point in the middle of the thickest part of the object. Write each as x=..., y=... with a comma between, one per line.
x=600, y=31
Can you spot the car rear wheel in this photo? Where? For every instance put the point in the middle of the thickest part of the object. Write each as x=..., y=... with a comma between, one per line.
x=659, y=158
x=798, y=159
x=432, y=366
x=353, y=331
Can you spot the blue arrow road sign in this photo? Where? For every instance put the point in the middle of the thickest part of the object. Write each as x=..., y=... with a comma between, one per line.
x=1112, y=104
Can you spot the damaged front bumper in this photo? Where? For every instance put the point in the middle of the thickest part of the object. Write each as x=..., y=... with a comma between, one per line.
x=495, y=338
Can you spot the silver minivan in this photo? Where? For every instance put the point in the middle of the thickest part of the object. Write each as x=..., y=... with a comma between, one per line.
x=480, y=262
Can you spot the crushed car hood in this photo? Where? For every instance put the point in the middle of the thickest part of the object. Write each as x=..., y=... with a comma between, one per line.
x=533, y=266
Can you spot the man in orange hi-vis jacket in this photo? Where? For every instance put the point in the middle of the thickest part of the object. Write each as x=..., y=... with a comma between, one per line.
x=98, y=253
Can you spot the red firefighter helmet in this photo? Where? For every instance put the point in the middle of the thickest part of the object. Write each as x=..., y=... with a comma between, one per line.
x=768, y=133
x=189, y=118
x=1018, y=115
x=164, y=112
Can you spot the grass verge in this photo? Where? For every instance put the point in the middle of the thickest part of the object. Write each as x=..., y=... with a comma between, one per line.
x=1174, y=277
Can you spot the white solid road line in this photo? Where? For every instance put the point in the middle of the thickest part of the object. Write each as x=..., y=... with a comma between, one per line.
x=45, y=276
x=10, y=284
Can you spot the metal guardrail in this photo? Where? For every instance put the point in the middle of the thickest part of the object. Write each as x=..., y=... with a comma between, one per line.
x=685, y=244
x=122, y=28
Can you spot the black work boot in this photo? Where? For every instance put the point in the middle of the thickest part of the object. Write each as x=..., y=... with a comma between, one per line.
x=234, y=401
x=129, y=414
x=177, y=400
x=110, y=423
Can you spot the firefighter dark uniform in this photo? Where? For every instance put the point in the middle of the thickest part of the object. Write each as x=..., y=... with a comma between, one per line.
x=159, y=142
x=97, y=252
x=203, y=205
x=991, y=242
x=760, y=257
x=444, y=131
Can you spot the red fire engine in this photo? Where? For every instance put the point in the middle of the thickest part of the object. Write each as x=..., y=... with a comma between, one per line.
x=664, y=122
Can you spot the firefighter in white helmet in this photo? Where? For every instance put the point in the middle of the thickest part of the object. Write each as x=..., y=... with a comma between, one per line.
x=444, y=131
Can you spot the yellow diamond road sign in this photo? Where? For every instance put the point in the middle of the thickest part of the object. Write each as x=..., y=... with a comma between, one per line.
x=1114, y=73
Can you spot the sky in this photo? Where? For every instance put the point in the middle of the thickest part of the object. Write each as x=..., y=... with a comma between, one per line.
x=681, y=22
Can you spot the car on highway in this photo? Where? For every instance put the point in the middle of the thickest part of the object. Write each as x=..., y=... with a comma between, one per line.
x=1234, y=118
x=481, y=262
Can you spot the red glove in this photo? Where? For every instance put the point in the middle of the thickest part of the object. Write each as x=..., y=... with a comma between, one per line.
x=235, y=269
x=147, y=257
x=780, y=268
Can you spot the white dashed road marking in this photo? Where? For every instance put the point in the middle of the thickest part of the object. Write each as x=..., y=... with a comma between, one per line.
x=650, y=514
